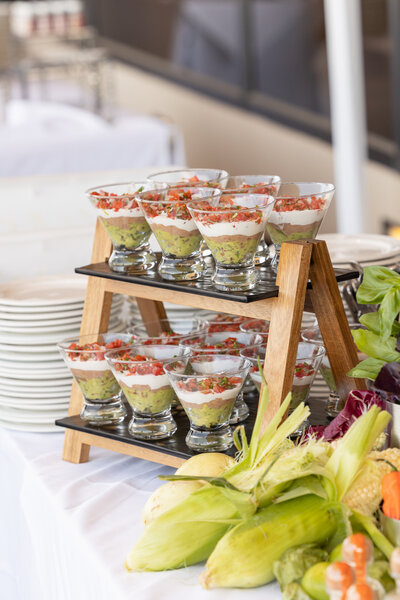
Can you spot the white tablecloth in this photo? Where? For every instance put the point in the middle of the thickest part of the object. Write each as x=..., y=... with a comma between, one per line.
x=42, y=138
x=66, y=529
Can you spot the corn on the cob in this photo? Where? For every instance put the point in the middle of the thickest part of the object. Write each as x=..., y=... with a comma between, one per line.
x=186, y=534
x=364, y=496
x=244, y=557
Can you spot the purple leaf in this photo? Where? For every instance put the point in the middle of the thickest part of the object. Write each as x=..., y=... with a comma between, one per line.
x=358, y=402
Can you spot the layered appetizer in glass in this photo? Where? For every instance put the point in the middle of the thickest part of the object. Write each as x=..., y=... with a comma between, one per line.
x=308, y=360
x=256, y=184
x=175, y=230
x=214, y=322
x=166, y=331
x=215, y=178
x=298, y=213
x=224, y=342
x=85, y=358
x=118, y=210
x=232, y=227
x=256, y=326
x=207, y=388
x=139, y=371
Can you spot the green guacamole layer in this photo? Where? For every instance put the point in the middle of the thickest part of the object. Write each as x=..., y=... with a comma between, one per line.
x=278, y=236
x=149, y=402
x=177, y=246
x=204, y=415
x=327, y=374
x=131, y=237
x=299, y=394
x=99, y=388
x=232, y=252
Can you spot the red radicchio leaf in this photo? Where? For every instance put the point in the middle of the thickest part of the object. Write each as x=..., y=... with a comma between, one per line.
x=387, y=383
x=358, y=402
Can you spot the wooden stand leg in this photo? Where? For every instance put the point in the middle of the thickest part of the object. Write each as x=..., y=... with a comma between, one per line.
x=152, y=313
x=284, y=334
x=332, y=320
x=95, y=318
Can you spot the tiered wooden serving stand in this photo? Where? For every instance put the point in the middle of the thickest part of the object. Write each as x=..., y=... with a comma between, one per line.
x=305, y=281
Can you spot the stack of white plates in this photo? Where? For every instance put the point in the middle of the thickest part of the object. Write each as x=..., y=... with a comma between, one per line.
x=365, y=249
x=35, y=384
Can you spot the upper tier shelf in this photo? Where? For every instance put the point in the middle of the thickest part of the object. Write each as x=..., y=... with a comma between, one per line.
x=266, y=288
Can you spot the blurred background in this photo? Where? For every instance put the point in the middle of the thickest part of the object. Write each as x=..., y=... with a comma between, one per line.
x=104, y=86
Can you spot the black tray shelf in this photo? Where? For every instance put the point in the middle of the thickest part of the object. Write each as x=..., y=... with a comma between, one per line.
x=176, y=445
x=266, y=287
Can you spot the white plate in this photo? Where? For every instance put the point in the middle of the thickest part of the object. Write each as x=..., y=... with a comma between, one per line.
x=48, y=314
x=31, y=365
x=42, y=383
x=39, y=339
x=27, y=405
x=44, y=291
x=24, y=374
x=50, y=328
x=17, y=415
x=363, y=248
x=28, y=349
x=40, y=344
x=32, y=427
x=32, y=325
x=36, y=394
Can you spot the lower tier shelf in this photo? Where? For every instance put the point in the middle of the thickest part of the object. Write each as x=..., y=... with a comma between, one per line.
x=176, y=445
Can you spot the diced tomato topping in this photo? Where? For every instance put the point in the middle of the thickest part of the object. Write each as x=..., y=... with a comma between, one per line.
x=174, y=207
x=225, y=212
x=288, y=204
x=93, y=351
x=209, y=385
x=145, y=365
x=109, y=201
x=303, y=370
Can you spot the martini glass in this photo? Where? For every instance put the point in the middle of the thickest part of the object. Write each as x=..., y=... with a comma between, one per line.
x=298, y=213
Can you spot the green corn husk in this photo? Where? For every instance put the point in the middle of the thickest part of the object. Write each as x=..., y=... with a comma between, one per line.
x=244, y=557
x=187, y=533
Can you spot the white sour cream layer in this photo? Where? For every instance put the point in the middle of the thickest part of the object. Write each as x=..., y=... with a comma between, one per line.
x=296, y=217
x=108, y=213
x=153, y=381
x=88, y=365
x=199, y=398
x=245, y=228
x=186, y=225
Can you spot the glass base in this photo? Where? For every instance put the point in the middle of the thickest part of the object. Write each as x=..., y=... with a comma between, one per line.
x=249, y=386
x=235, y=279
x=334, y=405
x=181, y=269
x=205, y=250
x=133, y=262
x=152, y=427
x=301, y=429
x=240, y=411
x=262, y=256
x=275, y=259
x=217, y=439
x=98, y=413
